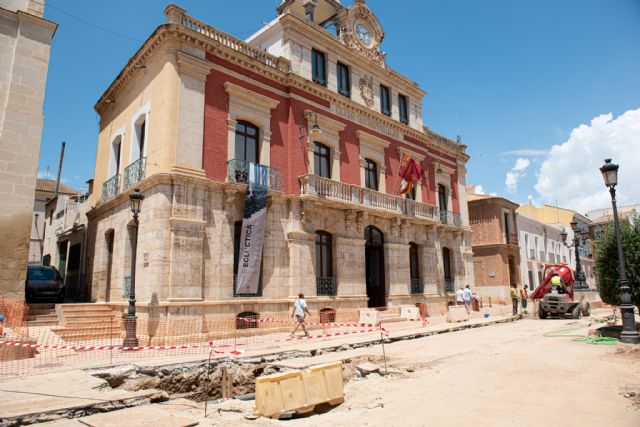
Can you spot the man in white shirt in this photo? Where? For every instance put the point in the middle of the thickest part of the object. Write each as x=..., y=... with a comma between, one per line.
x=467, y=296
x=459, y=297
x=299, y=309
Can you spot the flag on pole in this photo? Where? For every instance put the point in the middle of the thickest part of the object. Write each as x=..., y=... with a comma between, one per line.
x=410, y=172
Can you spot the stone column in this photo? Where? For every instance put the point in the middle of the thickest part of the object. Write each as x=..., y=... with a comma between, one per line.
x=397, y=269
x=350, y=266
x=193, y=69
x=302, y=278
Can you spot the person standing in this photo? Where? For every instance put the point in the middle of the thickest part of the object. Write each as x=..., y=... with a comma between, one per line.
x=514, y=299
x=467, y=296
x=299, y=310
x=523, y=298
x=459, y=297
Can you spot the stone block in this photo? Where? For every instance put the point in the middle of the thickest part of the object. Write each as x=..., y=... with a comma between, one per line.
x=457, y=313
x=410, y=312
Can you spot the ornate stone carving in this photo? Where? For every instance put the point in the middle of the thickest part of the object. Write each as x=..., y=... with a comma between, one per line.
x=366, y=90
x=349, y=19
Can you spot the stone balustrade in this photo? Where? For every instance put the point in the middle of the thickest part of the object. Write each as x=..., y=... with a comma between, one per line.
x=328, y=189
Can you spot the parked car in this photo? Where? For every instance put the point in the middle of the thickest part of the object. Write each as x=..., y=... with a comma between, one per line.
x=42, y=282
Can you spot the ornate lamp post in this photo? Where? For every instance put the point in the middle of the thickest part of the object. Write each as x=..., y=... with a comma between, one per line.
x=579, y=239
x=629, y=333
x=131, y=339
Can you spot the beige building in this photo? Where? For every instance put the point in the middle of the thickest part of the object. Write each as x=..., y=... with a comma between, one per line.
x=562, y=218
x=496, y=257
x=194, y=106
x=25, y=41
x=43, y=216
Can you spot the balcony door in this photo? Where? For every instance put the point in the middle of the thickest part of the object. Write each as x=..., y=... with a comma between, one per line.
x=246, y=150
x=374, y=262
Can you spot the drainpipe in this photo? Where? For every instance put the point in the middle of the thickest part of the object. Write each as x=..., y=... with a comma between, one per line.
x=59, y=169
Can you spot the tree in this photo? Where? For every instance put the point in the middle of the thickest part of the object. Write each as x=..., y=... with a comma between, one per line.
x=608, y=267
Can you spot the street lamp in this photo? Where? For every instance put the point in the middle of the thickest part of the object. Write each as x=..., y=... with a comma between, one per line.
x=579, y=239
x=629, y=333
x=131, y=339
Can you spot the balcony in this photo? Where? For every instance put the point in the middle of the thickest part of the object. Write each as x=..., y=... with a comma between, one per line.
x=111, y=187
x=532, y=253
x=330, y=190
x=134, y=173
x=542, y=256
x=238, y=173
x=417, y=286
x=512, y=239
x=326, y=286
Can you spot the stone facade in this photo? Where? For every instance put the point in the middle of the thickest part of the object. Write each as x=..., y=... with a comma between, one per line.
x=496, y=257
x=197, y=84
x=25, y=40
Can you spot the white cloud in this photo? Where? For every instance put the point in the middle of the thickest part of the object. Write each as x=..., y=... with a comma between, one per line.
x=570, y=175
x=528, y=152
x=478, y=189
x=516, y=172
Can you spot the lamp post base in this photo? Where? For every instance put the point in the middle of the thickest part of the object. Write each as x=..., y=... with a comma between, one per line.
x=131, y=339
x=629, y=337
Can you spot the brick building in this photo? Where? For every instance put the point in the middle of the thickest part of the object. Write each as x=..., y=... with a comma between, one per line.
x=195, y=106
x=25, y=42
x=496, y=258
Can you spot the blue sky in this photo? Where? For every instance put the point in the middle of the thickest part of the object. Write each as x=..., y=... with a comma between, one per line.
x=507, y=75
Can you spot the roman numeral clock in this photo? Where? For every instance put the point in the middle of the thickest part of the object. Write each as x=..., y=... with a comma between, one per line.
x=361, y=31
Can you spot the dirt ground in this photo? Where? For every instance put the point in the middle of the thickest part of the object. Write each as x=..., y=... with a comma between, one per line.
x=504, y=375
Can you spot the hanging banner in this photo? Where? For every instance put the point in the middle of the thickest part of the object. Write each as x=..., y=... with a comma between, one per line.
x=253, y=224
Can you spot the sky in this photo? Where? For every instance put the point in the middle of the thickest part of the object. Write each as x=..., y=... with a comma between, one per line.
x=540, y=91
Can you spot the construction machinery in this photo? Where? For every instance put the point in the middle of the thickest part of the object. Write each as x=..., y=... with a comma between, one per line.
x=558, y=300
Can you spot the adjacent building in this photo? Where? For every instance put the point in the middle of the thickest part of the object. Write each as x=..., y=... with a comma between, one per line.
x=25, y=42
x=43, y=216
x=496, y=254
x=194, y=107
x=563, y=218
x=540, y=244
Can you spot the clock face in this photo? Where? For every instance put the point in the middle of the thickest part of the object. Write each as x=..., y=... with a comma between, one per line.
x=364, y=35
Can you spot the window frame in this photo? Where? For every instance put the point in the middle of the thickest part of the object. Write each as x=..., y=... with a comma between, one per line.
x=324, y=254
x=403, y=112
x=244, y=134
x=319, y=156
x=371, y=172
x=343, y=75
x=414, y=261
x=385, y=100
x=318, y=67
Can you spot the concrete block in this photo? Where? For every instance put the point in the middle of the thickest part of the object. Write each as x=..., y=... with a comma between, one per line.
x=368, y=316
x=410, y=312
x=457, y=313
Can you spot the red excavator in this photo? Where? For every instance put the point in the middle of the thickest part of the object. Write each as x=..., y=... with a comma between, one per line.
x=559, y=300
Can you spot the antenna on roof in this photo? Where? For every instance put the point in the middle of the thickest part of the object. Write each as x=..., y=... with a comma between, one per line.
x=459, y=138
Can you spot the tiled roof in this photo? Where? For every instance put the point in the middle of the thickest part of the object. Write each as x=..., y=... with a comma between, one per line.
x=49, y=186
x=471, y=197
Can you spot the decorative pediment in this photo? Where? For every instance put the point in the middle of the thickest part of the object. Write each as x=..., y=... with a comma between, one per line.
x=361, y=31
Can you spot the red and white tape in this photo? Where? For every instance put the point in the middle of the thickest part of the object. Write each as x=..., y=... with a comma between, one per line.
x=325, y=325
x=116, y=347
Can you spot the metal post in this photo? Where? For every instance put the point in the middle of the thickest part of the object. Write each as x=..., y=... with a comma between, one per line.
x=582, y=286
x=629, y=333
x=59, y=169
x=131, y=339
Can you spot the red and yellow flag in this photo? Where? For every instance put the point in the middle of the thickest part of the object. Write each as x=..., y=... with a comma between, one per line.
x=410, y=172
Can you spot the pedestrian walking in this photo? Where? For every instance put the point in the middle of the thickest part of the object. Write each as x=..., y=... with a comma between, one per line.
x=460, y=296
x=299, y=310
x=514, y=299
x=523, y=298
x=467, y=296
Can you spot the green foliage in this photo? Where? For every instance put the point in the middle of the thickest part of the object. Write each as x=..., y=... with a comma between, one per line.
x=608, y=267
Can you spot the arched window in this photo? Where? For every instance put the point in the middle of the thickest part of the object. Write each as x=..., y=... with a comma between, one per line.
x=322, y=160
x=247, y=147
x=327, y=315
x=325, y=279
x=247, y=320
x=371, y=174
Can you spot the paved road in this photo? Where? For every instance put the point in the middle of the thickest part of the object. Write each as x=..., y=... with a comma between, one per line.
x=505, y=375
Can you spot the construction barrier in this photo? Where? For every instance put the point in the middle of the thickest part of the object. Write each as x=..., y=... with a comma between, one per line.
x=299, y=391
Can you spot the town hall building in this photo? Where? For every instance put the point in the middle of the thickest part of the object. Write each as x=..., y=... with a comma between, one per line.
x=310, y=96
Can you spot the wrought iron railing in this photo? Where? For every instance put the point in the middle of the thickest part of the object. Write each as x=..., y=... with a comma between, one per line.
x=532, y=253
x=449, y=286
x=326, y=286
x=513, y=239
x=134, y=173
x=325, y=188
x=111, y=187
x=238, y=172
x=450, y=218
x=237, y=295
x=417, y=286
